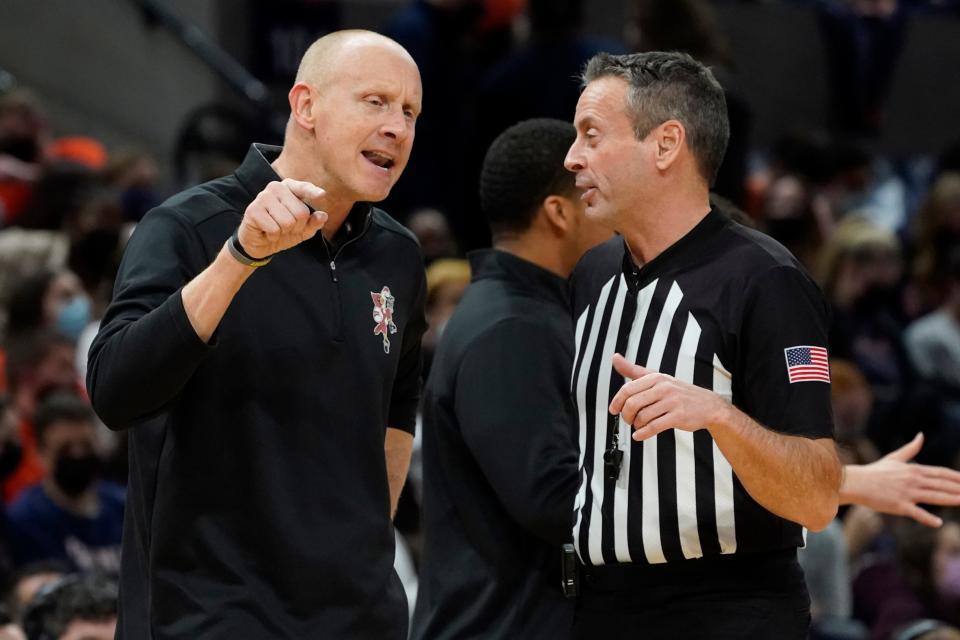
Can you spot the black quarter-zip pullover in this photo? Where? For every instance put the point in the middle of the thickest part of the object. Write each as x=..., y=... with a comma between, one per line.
x=258, y=503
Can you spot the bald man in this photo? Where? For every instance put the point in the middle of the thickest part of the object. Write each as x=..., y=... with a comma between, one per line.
x=263, y=350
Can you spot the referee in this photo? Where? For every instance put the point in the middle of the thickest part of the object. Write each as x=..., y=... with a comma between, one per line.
x=700, y=377
x=499, y=456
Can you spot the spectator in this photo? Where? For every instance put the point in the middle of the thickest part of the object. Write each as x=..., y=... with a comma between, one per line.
x=856, y=182
x=73, y=608
x=56, y=301
x=936, y=233
x=38, y=362
x=933, y=343
x=788, y=217
x=923, y=582
x=860, y=272
x=28, y=580
x=49, y=300
x=135, y=175
x=852, y=400
x=63, y=189
x=784, y=194
x=78, y=150
x=433, y=231
x=72, y=515
x=23, y=137
x=446, y=281
x=23, y=253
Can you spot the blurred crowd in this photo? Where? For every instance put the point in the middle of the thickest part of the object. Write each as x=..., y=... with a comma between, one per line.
x=880, y=234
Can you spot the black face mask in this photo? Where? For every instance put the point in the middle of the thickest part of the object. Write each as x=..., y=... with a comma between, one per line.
x=74, y=475
x=10, y=458
x=92, y=254
x=880, y=298
x=136, y=201
x=23, y=148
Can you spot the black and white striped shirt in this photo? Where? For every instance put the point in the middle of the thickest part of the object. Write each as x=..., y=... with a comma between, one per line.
x=716, y=309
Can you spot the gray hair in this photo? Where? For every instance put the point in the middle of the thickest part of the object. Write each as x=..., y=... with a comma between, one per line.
x=668, y=85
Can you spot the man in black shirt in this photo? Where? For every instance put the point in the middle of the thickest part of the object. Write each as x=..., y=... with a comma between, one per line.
x=688, y=526
x=498, y=444
x=498, y=487
x=272, y=406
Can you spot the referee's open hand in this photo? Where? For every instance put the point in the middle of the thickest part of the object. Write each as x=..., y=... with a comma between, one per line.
x=653, y=402
x=278, y=218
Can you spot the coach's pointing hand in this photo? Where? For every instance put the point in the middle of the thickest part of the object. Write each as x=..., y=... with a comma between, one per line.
x=278, y=219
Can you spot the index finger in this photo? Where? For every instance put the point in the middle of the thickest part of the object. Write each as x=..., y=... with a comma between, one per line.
x=628, y=369
x=303, y=190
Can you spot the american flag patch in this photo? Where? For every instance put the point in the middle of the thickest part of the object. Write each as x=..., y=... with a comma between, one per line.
x=807, y=364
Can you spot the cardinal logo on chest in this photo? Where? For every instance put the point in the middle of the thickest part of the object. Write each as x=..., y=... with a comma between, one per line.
x=383, y=302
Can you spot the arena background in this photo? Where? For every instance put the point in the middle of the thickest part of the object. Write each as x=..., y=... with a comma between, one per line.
x=144, y=84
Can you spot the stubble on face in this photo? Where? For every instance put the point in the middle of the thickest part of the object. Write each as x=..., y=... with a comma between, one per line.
x=605, y=155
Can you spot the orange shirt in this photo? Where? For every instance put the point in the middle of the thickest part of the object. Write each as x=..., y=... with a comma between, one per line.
x=29, y=471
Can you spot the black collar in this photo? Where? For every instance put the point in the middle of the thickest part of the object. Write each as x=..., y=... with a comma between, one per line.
x=500, y=265
x=681, y=250
x=256, y=172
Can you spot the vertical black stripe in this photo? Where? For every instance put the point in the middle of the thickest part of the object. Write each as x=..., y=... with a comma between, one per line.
x=581, y=350
x=616, y=381
x=703, y=450
x=635, y=498
x=590, y=399
x=577, y=364
x=667, y=450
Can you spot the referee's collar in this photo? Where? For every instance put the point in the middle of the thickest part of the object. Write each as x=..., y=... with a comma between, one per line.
x=689, y=244
x=500, y=265
x=256, y=172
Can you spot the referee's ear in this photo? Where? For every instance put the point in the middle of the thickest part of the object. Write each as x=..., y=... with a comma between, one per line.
x=670, y=137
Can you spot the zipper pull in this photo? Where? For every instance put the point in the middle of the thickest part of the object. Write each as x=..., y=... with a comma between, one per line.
x=333, y=271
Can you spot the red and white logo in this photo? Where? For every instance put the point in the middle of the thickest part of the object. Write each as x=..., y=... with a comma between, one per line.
x=383, y=316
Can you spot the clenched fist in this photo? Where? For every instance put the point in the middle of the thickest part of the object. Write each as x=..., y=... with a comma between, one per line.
x=278, y=219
